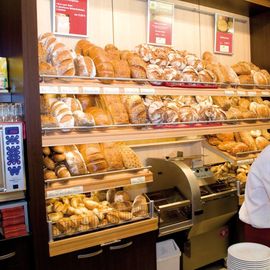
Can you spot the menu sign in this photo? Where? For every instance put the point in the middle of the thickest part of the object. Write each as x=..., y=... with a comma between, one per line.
x=70, y=17
x=160, y=23
x=224, y=30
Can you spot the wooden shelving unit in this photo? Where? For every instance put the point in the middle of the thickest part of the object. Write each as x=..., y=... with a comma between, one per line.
x=88, y=183
x=112, y=135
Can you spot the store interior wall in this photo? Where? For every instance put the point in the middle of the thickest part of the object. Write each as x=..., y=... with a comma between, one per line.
x=124, y=23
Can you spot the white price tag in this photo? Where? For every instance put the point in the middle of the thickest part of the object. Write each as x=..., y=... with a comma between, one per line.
x=91, y=90
x=64, y=192
x=69, y=89
x=241, y=93
x=131, y=91
x=229, y=92
x=147, y=91
x=111, y=90
x=245, y=161
x=137, y=180
x=46, y=89
x=266, y=93
x=252, y=93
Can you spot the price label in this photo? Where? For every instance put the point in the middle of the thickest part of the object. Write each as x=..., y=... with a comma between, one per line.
x=137, y=180
x=131, y=91
x=46, y=89
x=147, y=91
x=64, y=192
x=91, y=90
x=252, y=93
x=245, y=161
x=241, y=93
x=266, y=93
x=69, y=89
x=229, y=92
x=111, y=90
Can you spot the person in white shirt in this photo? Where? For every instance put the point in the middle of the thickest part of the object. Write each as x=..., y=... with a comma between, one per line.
x=255, y=211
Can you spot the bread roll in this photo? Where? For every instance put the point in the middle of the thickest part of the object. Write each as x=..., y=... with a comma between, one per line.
x=266, y=134
x=259, y=78
x=223, y=102
x=121, y=196
x=246, y=79
x=48, y=174
x=62, y=171
x=113, y=217
x=261, y=142
x=86, y=101
x=46, y=69
x=125, y=216
x=226, y=146
x=46, y=151
x=54, y=217
x=248, y=140
x=242, y=68
x=110, y=195
x=214, y=141
x=59, y=157
x=244, y=103
x=124, y=206
x=48, y=163
x=267, y=75
x=238, y=148
x=234, y=113
x=207, y=76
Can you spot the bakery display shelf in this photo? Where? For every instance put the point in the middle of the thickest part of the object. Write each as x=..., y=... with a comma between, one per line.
x=130, y=134
x=47, y=130
x=78, y=85
x=102, y=237
x=98, y=181
x=240, y=159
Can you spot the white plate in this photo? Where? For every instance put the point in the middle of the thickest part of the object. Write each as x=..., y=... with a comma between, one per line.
x=250, y=252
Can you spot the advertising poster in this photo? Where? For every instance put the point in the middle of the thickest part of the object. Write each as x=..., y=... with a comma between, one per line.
x=224, y=30
x=70, y=17
x=160, y=23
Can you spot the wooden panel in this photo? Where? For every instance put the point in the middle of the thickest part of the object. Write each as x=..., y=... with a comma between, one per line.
x=265, y=3
x=260, y=39
x=112, y=135
x=101, y=237
x=101, y=182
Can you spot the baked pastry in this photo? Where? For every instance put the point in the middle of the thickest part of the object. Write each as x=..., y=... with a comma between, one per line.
x=154, y=72
x=156, y=112
x=229, y=74
x=172, y=111
x=93, y=157
x=124, y=206
x=48, y=163
x=244, y=103
x=213, y=141
x=210, y=113
x=266, y=134
x=58, y=157
x=190, y=74
x=215, y=68
x=83, y=119
x=112, y=156
x=242, y=68
x=209, y=57
x=116, y=108
x=125, y=216
x=185, y=100
x=100, y=116
x=110, y=195
x=226, y=146
x=204, y=100
x=46, y=151
x=261, y=142
x=223, y=102
x=113, y=52
x=59, y=149
x=239, y=147
x=256, y=133
x=207, y=76
x=130, y=159
x=72, y=103
x=113, y=217
x=261, y=110
x=139, y=206
x=136, y=109
x=248, y=140
x=121, y=196
x=266, y=74
x=234, y=113
x=74, y=161
x=225, y=136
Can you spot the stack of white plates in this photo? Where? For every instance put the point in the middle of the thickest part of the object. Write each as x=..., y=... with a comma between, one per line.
x=248, y=256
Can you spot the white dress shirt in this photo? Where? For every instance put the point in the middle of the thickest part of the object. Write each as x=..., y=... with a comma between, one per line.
x=255, y=210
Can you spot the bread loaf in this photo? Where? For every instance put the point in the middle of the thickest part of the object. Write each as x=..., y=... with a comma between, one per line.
x=136, y=109
x=86, y=101
x=121, y=69
x=225, y=136
x=242, y=68
x=84, y=66
x=130, y=159
x=100, y=116
x=248, y=140
x=239, y=147
x=83, y=119
x=49, y=174
x=116, y=108
x=112, y=156
x=261, y=142
x=223, y=102
x=62, y=171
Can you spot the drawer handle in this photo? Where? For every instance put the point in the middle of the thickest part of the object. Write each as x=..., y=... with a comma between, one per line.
x=121, y=246
x=7, y=256
x=89, y=255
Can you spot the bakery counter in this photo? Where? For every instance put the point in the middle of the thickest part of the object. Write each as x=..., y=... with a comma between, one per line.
x=97, y=181
x=80, y=85
x=117, y=134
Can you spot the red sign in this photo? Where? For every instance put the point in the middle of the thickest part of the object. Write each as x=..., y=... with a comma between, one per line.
x=160, y=22
x=70, y=17
x=224, y=30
